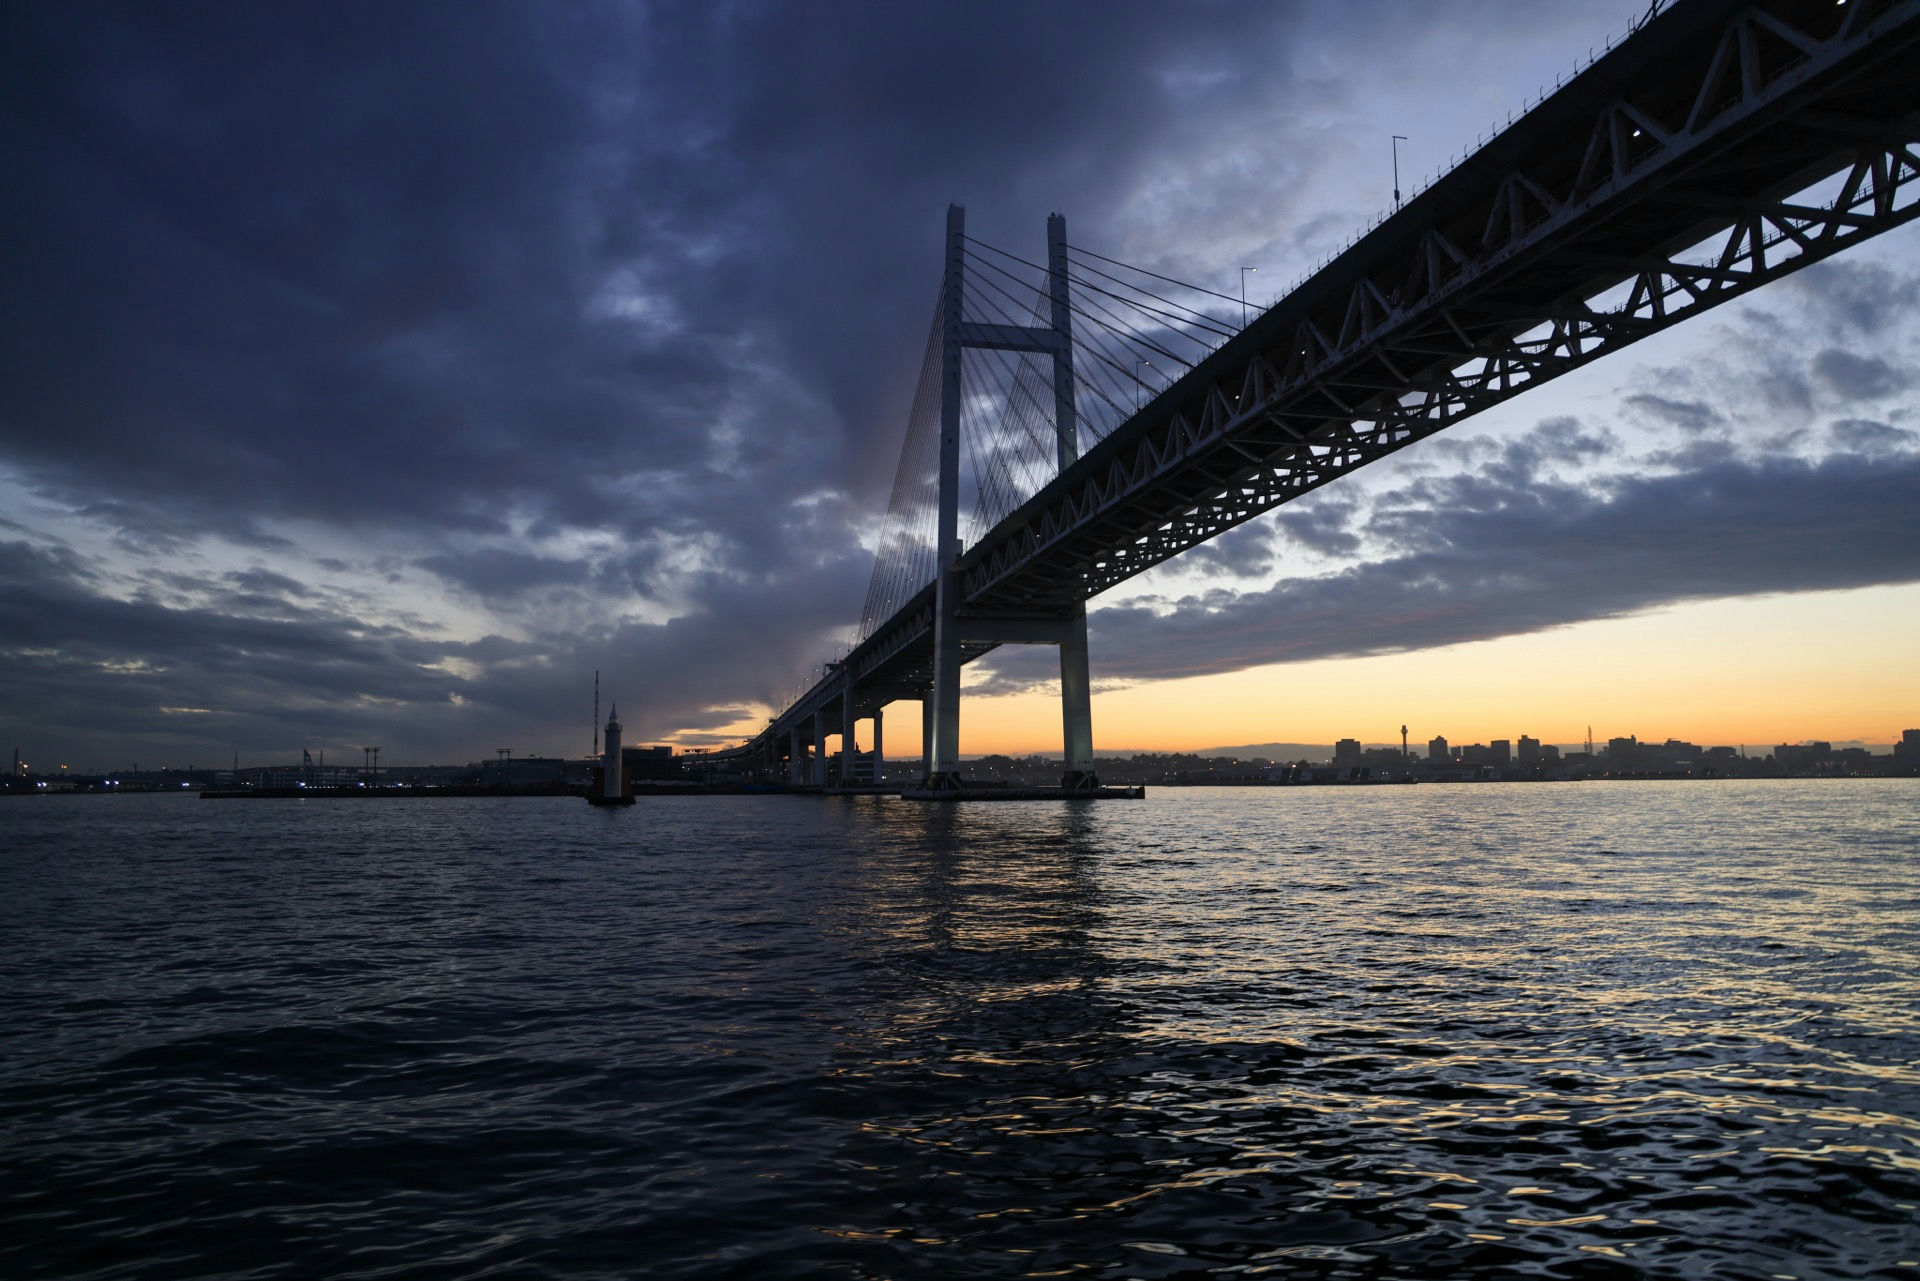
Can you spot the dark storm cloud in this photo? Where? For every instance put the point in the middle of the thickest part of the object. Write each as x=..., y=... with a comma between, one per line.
x=494, y=572
x=266, y=582
x=1323, y=523
x=427, y=267
x=106, y=665
x=252, y=669
x=1246, y=552
x=1853, y=377
x=1858, y=298
x=1864, y=436
x=1689, y=415
x=421, y=265
x=591, y=316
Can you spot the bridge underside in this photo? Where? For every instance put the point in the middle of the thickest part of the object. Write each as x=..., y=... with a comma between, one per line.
x=1721, y=147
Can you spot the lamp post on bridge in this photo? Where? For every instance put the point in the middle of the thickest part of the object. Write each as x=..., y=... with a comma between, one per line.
x=1243, y=294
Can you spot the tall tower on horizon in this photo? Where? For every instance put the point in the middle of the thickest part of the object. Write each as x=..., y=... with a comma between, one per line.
x=610, y=764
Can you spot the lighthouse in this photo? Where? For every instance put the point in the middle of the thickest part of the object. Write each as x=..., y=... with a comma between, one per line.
x=611, y=766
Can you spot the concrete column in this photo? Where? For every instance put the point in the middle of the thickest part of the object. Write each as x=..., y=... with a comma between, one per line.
x=795, y=757
x=944, y=759
x=926, y=733
x=1076, y=705
x=879, y=754
x=848, y=745
x=819, y=748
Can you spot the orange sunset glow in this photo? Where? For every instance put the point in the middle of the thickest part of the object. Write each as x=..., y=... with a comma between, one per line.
x=1753, y=672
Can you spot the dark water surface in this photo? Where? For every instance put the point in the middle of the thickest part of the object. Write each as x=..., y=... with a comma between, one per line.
x=1599, y=1030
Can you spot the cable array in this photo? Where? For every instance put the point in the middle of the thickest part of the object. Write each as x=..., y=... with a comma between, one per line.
x=1134, y=333
x=903, y=560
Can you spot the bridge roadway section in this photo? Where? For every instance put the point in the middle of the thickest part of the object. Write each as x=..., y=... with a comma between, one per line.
x=1658, y=182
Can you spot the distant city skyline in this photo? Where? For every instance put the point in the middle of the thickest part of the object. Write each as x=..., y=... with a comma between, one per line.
x=1519, y=755
x=1757, y=671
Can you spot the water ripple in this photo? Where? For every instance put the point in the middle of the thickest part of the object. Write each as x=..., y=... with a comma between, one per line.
x=1662, y=1030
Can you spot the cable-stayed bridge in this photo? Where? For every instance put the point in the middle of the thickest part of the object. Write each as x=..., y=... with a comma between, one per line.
x=1090, y=420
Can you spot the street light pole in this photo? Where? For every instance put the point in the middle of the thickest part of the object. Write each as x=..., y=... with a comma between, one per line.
x=1138, y=381
x=1398, y=138
x=1243, y=294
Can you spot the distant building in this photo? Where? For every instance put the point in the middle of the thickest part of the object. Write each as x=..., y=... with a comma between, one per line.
x=859, y=772
x=1549, y=754
x=1529, y=750
x=1500, y=752
x=1387, y=758
x=1346, y=752
x=1473, y=754
x=1906, y=752
x=1677, y=754
x=1853, y=760
x=650, y=763
x=517, y=771
x=1803, y=756
x=1623, y=753
x=1437, y=750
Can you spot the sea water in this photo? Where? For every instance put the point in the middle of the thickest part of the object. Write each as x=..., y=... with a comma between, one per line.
x=1553, y=1030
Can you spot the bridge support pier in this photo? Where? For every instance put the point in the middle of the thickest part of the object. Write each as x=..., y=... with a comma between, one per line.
x=819, y=749
x=848, y=747
x=1076, y=708
x=943, y=770
x=926, y=732
x=796, y=758
x=879, y=755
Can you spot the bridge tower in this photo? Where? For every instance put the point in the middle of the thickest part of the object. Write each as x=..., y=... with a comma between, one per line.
x=943, y=754
x=1068, y=630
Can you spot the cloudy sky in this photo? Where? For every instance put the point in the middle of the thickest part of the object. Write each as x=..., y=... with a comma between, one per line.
x=376, y=373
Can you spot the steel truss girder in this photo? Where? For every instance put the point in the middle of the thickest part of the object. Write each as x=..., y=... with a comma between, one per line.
x=1462, y=331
